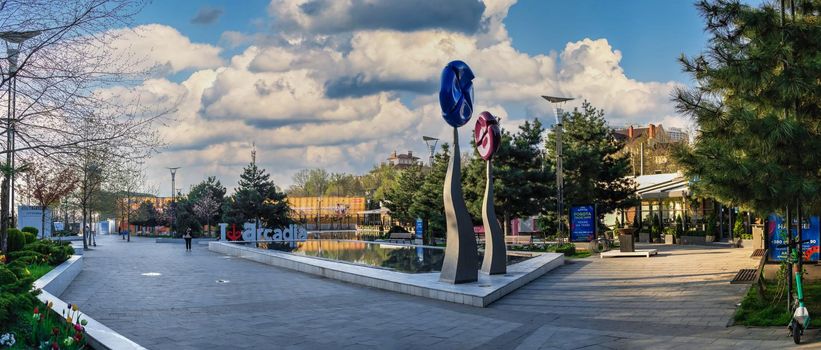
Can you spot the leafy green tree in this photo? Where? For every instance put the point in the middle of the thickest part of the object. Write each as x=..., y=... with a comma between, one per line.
x=146, y=215
x=757, y=106
x=256, y=199
x=679, y=226
x=594, y=170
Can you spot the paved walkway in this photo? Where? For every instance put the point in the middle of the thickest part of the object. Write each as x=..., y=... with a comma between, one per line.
x=679, y=299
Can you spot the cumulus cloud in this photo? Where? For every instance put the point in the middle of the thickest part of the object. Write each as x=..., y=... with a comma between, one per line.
x=333, y=16
x=345, y=101
x=163, y=47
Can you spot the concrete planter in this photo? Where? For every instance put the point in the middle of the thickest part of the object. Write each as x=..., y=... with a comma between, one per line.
x=669, y=239
x=746, y=243
x=710, y=239
x=693, y=240
x=644, y=237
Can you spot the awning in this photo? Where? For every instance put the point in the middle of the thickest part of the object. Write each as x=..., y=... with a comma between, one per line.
x=678, y=187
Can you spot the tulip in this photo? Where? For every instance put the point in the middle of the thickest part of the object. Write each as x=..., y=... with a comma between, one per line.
x=74, y=307
x=50, y=304
x=69, y=320
x=55, y=330
x=54, y=346
x=78, y=328
x=83, y=322
x=36, y=310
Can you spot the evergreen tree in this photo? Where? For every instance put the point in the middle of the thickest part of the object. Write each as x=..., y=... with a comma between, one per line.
x=523, y=185
x=428, y=201
x=399, y=198
x=256, y=199
x=757, y=105
x=209, y=188
x=594, y=171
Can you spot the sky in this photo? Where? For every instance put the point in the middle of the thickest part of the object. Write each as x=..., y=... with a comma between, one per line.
x=341, y=84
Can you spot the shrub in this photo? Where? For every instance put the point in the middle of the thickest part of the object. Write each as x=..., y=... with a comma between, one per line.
x=16, y=297
x=29, y=237
x=566, y=249
x=679, y=226
x=56, y=252
x=16, y=240
x=30, y=229
x=397, y=229
x=11, y=257
x=738, y=229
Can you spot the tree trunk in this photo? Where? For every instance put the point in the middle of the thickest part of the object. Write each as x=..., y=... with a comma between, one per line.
x=83, y=229
x=4, y=217
x=507, y=224
x=43, y=222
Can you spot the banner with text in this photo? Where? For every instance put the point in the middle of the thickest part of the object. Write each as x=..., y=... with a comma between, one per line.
x=777, y=237
x=582, y=223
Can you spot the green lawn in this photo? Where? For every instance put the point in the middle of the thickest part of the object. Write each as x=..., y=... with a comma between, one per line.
x=39, y=270
x=772, y=310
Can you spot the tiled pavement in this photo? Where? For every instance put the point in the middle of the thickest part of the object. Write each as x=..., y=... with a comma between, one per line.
x=680, y=299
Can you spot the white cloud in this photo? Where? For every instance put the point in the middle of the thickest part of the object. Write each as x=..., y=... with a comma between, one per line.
x=164, y=47
x=305, y=104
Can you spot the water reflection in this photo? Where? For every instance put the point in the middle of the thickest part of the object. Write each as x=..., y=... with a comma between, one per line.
x=404, y=258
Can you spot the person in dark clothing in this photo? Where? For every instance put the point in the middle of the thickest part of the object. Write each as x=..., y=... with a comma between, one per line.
x=187, y=238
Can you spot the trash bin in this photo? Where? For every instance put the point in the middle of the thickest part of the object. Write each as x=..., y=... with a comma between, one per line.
x=626, y=240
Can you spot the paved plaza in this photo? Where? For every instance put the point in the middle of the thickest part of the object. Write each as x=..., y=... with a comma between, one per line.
x=679, y=299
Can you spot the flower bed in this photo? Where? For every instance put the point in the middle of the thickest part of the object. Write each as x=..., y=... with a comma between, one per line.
x=18, y=270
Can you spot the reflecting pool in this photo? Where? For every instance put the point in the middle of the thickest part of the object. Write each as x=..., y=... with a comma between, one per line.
x=398, y=257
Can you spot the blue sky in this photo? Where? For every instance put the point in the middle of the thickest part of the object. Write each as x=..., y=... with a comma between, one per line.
x=651, y=34
x=341, y=84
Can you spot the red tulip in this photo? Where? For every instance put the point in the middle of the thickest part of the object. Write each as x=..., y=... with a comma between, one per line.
x=54, y=346
x=36, y=310
x=78, y=327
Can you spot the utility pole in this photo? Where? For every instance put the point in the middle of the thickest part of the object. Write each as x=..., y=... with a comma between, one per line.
x=558, y=102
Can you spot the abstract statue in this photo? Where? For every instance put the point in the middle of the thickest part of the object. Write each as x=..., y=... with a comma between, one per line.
x=488, y=137
x=461, y=255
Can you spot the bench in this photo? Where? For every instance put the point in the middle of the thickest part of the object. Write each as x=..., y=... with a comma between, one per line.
x=401, y=235
x=519, y=240
x=753, y=276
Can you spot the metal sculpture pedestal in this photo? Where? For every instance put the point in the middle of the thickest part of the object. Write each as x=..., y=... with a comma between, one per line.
x=495, y=260
x=461, y=257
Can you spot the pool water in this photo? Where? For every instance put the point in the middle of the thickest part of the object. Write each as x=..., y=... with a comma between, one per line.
x=398, y=257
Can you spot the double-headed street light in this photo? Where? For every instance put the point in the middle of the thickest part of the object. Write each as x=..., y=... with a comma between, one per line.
x=173, y=197
x=14, y=41
x=558, y=102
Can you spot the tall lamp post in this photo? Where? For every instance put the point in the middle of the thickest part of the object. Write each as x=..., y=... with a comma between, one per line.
x=431, y=143
x=558, y=102
x=173, y=197
x=14, y=41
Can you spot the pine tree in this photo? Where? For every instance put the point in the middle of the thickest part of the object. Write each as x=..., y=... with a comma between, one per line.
x=428, y=203
x=594, y=171
x=757, y=106
x=257, y=199
x=399, y=198
x=523, y=185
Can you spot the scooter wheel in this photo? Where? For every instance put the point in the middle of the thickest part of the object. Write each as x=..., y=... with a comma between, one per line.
x=795, y=329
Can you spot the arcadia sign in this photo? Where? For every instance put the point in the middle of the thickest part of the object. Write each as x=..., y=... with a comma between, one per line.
x=249, y=232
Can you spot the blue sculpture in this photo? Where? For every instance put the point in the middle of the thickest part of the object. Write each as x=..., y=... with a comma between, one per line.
x=461, y=254
x=456, y=93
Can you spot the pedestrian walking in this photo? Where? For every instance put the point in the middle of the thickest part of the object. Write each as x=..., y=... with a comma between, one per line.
x=187, y=238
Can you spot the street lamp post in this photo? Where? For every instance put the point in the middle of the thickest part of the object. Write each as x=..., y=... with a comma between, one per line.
x=173, y=197
x=14, y=41
x=557, y=105
x=431, y=143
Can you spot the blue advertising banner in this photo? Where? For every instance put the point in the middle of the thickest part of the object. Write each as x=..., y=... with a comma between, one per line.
x=777, y=236
x=419, y=228
x=582, y=223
